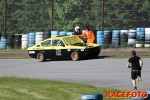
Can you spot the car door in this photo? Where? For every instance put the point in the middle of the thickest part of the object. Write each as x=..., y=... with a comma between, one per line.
x=59, y=50
x=47, y=48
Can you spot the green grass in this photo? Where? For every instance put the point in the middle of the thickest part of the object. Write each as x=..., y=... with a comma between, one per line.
x=13, y=50
x=15, y=57
x=13, y=88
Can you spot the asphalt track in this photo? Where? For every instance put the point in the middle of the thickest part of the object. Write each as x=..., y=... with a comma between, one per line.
x=97, y=72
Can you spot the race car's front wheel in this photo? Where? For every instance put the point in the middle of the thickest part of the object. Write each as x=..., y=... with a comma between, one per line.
x=75, y=56
x=40, y=57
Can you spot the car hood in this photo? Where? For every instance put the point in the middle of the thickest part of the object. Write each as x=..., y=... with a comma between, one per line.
x=84, y=46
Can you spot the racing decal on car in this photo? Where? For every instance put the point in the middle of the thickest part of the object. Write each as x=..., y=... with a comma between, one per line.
x=58, y=52
x=31, y=52
x=68, y=49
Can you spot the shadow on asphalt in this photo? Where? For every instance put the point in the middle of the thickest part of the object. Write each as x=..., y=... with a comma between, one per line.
x=99, y=57
x=102, y=57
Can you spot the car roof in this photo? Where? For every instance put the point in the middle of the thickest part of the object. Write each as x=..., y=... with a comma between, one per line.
x=68, y=39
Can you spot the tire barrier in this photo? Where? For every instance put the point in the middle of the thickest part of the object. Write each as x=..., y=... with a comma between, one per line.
x=100, y=38
x=147, y=37
x=69, y=33
x=115, y=38
x=148, y=98
x=3, y=41
x=131, y=38
x=10, y=41
x=38, y=37
x=46, y=35
x=62, y=33
x=140, y=37
x=31, y=39
x=24, y=41
x=92, y=97
x=107, y=38
x=54, y=33
x=124, y=37
x=17, y=41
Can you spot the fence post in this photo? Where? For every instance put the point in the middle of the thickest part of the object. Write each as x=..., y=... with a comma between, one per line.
x=102, y=16
x=52, y=12
x=5, y=12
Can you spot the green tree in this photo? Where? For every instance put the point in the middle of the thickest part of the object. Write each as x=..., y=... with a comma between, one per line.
x=24, y=16
x=125, y=14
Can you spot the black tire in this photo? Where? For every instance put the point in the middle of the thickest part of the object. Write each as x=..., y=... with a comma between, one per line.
x=75, y=56
x=10, y=36
x=40, y=57
x=17, y=46
x=131, y=37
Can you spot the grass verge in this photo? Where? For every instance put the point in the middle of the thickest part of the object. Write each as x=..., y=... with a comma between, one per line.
x=15, y=57
x=119, y=57
x=13, y=88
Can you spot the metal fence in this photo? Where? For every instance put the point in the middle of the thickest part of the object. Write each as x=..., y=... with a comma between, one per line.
x=20, y=17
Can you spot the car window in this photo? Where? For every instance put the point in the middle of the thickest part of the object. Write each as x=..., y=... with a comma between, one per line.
x=57, y=43
x=46, y=43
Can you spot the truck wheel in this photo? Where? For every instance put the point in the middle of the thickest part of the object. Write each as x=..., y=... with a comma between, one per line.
x=75, y=56
x=40, y=57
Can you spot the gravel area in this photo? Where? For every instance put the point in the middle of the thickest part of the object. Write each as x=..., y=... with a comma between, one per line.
x=124, y=52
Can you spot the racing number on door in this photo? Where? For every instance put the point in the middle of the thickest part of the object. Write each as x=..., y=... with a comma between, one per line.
x=58, y=52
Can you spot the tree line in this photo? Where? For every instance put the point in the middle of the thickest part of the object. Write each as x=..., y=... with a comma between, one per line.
x=24, y=16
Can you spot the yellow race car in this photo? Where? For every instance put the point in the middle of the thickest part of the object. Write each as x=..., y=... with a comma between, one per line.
x=63, y=47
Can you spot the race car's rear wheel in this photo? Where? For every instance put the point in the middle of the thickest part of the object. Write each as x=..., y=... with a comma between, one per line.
x=40, y=57
x=75, y=56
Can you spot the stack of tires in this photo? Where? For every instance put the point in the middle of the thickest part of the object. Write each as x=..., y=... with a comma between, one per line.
x=54, y=33
x=147, y=37
x=17, y=41
x=46, y=35
x=24, y=41
x=124, y=38
x=140, y=37
x=38, y=37
x=61, y=33
x=100, y=38
x=131, y=38
x=3, y=41
x=31, y=39
x=69, y=33
x=115, y=38
x=148, y=98
x=107, y=38
x=92, y=97
x=10, y=41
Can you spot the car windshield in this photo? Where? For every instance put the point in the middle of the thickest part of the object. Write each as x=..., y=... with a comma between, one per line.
x=73, y=40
